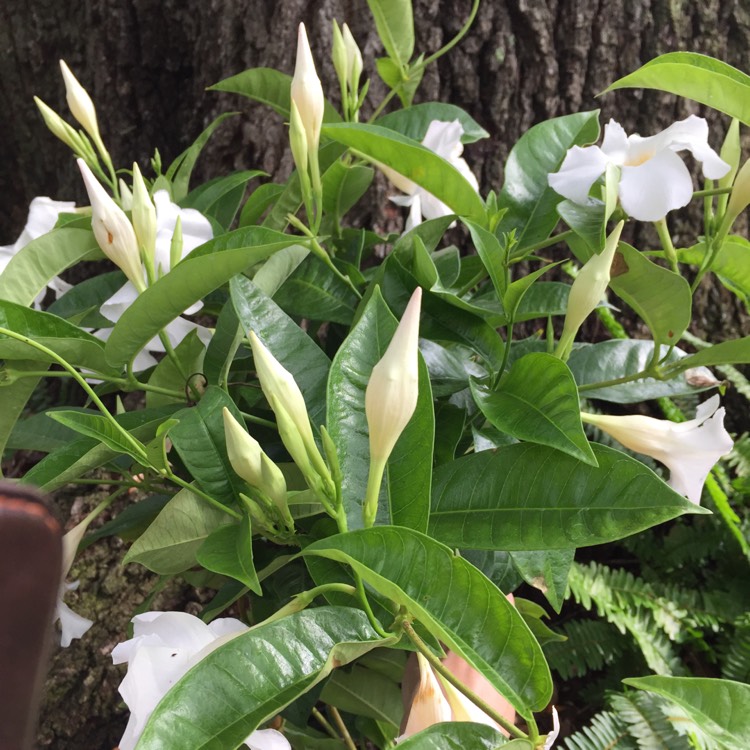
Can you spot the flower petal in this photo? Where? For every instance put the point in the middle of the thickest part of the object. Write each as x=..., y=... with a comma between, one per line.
x=649, y=191
x=196, y=229
x=615, y=143
x=72, y=625
x=578, y=172
x=267, y=739
x=444, y=138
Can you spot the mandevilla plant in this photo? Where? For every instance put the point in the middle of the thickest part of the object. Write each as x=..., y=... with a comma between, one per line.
x=384, y=433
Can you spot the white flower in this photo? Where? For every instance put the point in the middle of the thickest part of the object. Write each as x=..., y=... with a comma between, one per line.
x=43, y=214
x=428, y=705
x=552, y=736
x=196, y=229
x=165, y=645
x=444, y=138
x=653, y=180
x=688, y=449
x=72, y=625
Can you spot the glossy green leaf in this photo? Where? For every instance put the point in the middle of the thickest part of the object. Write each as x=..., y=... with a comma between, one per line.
x=546, y=570
x=288, y=343
x=81, y=303
x=39, y=432
x=181, y=168
x=596, y=363
x=364, y=693
x=13, y=399
x=229, y=550
x=731, y=265
x=100, y=428
x=452, y=599
x=696, y=77
x=343, y=185
x=258, y=203
x=456, y=735
x=586, y=221
x=199, y=439
x=268, y=86
x=530, y=202
x=721, y=708
x=35, y=265
x=220, y=198
x=279, y=267
x=189, y=352
x=394, y=20
x=406, y=491
x=533, y=615
x=205, y=269
x=415, y=162
x=248, y=680
x=66, y=340
x=661, y=298
x=529, y=496
x=538, y=402
x=169, y=545
x=493, y=256
x=414, y=121
x=733, y=352
x=518, y=289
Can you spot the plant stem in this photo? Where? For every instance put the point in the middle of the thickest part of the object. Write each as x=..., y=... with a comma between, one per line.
x=374, y=480
x=666, y=243
x=348, y=741
x=167, y=474
x=325, y=724
x=549, y=241
x=456, y=39
x=438, y=666
x=712, y=191
x=259, y=420
x=648, y=373
x=362, y=596
x=386, y=100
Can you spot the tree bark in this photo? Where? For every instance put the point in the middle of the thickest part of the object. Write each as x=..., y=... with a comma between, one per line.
x=146, y=65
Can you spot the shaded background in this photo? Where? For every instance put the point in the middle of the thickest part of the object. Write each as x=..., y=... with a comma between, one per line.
x=146, y=64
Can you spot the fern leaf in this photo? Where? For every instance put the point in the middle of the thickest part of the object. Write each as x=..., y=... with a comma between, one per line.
x=644, y=717
x=605, y=732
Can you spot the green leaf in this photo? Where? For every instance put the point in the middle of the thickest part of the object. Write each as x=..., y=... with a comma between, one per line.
x=258, y=202
x=527, y=496
x=81, y=303
x=364, y=693
x=181, y=168
x=734, y=352
x=731, y=265
x=13, y=399
x=100, y=428
x=587, y=222
x=166, y=374
x=414, y=121
x=415, y=162
x=343, y=185
x=493, y=256
x=517, y=290
x=456, y=735
x=546, y=570
x=220, y=198
x=696, y=77
x=661, y=298
x=35, y=265
x=66, y=340
x=268, y=86
x=170, y=543
x=290, y=345
x=394, y=20
x=721, y=708
x=409, y=466
x=538, y=402
x=206, y=268
x=229, y=550
x=248, y=680
x=452, y=599
x=199, y=439
x=530, y=202
x=596, y=363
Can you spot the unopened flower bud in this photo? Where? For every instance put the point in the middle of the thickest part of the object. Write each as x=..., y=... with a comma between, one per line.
x=739, y=198
x=298, y=140
x=391, y=395
x=587, y=291
x=81, y=106
x=307, y=91
x=353, y=60
x=126, y=195
x=251, y=463
x=58, y=127
x=144, y=217
x=338, y=55
x=112, y=229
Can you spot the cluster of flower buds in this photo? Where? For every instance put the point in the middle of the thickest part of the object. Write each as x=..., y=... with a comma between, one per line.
x=347, y=60
x=268, y=506
x=587, y=291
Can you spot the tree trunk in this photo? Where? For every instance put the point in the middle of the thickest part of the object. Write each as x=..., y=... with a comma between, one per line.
x=146, y=64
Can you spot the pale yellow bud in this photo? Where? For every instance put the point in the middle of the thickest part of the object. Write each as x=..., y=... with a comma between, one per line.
x=338, y=55
x=307, y=91
x=428, y=706
x=353, y=60
x=81, y=106
x=58, y=127
x=298, y=140
x=587, y=291
x=739, y=198
x=126, y=195
x=112, y=229
x=391, y=395
x=251, y=463
x=144, y=216
x=71, y=541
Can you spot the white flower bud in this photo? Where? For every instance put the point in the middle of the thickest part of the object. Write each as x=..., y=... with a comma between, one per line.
x=112, y=229
x=81, y=106
x=58, y=127
x=353, y=60
x=144, y=217
x=391, y=395
x=298, y=140
x=307, y=91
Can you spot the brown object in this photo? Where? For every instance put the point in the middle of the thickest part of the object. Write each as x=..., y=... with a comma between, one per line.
x=30, y=570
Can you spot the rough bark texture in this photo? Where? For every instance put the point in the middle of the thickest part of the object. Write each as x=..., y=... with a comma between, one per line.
x=146, y=65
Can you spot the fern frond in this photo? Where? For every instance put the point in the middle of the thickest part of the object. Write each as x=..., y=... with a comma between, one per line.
x=736, y=658
x=591, y=645
x=644, y=717
x=739, y=458
x=605, y=732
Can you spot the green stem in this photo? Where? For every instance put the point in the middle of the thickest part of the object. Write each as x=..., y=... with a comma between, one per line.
x=259, y=421
x=438, y=666
x=386, y=100
x=712, y=191
x=362, y=596
x=666, y=243
x=348, y=741
x=135, y=446
x=548, y=242
x=325, y=724
x=374, y=480
x=167, y=474
x=172, y=354
x=456, y=39
x=647, y=373
x=472, y=282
